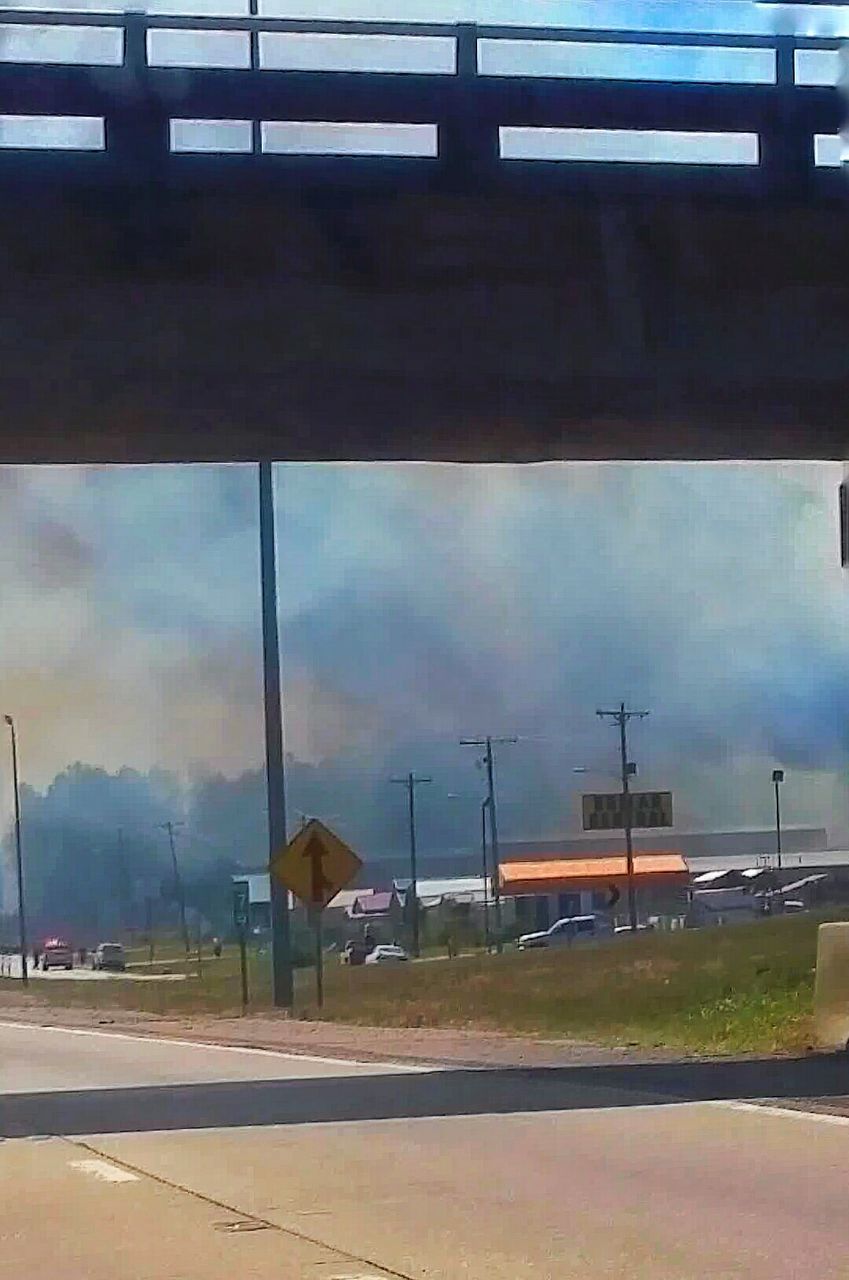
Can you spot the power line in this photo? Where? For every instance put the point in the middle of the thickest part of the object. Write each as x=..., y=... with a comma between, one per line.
x=488, y=743
x=621, y=717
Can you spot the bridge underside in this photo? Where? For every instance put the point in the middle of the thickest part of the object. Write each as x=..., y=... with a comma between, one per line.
x=291, y=324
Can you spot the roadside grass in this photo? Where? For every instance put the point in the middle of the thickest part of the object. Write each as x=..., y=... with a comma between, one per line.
x=745, y=988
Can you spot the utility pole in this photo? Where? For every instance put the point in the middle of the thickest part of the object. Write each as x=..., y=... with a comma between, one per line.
x=178, y=883
x=484, y=807
x=22, y=926
x=777, y=779
x=282, y=984
x=621, y=717
x=488, y=743
x=411, y=782
x=148, y=921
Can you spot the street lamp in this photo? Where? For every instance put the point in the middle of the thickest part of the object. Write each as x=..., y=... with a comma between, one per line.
x=777, y=779
x=22, y=929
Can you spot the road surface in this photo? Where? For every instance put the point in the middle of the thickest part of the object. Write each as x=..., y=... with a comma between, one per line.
x=10, y=967
x=173, y=1159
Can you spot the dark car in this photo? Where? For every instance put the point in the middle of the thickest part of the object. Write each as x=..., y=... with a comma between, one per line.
x=355, y=952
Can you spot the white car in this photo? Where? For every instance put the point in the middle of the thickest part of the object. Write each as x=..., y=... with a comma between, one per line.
x=56, y=954
x=566, y=932
x=387, y=955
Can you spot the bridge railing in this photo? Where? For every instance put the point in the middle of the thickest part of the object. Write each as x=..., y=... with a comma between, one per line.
x=728, y=96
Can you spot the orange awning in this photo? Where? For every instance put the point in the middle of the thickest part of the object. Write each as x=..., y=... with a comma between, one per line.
x=558, y=875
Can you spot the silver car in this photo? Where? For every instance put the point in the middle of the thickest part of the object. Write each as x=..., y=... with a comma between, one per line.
x=566, y=932
x=387, y=955
x=109, y=955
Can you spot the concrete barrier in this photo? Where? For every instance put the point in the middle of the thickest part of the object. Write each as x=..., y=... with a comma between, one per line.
x=831, y=988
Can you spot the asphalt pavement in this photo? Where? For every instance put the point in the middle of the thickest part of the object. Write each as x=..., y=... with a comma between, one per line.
x=176, y=1159
x=10, y=967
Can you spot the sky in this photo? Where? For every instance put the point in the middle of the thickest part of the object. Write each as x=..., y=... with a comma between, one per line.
x=421, y=603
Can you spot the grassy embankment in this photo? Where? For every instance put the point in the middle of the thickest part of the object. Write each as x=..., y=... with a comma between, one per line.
x=743, y=988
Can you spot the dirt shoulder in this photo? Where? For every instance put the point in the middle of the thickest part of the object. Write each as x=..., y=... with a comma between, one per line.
x=283, y=1034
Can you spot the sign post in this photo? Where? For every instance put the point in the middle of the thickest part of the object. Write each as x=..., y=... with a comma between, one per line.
x=315, y=865
x=319, y=957
x=241, y=911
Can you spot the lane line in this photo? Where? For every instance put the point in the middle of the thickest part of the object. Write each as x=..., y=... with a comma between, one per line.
x=104, y=1170
x=791, y=1113
x=289, y=1055
x=142, y=1173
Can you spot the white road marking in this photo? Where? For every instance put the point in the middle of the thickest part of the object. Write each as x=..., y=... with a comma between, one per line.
x=103, y=1170
x=364, y=1275
x=222, y=1048
x=791, y=1113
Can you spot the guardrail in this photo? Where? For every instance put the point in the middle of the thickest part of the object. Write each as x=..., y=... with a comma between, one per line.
x=728, y=95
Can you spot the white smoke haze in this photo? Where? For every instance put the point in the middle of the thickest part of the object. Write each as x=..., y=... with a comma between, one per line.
x=420, y=603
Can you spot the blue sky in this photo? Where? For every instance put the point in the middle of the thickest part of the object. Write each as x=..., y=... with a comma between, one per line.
x=420, y=603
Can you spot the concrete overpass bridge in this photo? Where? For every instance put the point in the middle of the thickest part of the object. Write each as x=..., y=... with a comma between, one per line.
x=304, y=229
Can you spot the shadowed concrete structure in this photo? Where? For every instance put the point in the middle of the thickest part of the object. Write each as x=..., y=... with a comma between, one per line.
x=519, y=288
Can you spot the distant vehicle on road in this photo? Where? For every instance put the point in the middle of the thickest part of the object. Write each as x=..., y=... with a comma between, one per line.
x=355, y=951
x=387, y=955
x=566, y=932
x=56, y=955
x=109, y=955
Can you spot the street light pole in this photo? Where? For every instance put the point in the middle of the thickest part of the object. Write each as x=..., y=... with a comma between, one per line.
x=282, y=982
x=487, y=743
x=411, y=782
x=621, y=717
x=22, y=928
x=777, y=779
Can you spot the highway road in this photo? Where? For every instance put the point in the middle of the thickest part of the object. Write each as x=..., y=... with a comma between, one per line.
x=10, y=967
x=129, y=1156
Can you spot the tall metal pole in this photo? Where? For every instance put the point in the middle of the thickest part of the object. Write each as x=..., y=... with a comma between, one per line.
x=148, y=920
x=414, y=879
x=626, y=817
x=621, y=717
x=282, y=986
x=484, y=806
x=178, y=885
x=493, y=836
x=777, y=779
x=411, y=781
x=489, y=762
x=22, y=927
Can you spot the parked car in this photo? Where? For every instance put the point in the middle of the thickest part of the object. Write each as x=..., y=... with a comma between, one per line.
x=56, y=955
x=387, y=955
x=355, y=951
x=565, y=932
x=109, y=955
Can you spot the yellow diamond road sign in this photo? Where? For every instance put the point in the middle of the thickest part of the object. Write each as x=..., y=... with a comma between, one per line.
x=315, y=865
